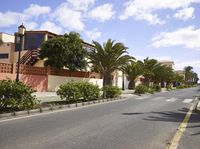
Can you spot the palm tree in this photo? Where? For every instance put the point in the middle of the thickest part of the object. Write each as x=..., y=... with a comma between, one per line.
x=108, y=58
x=133, y=70
x=162, y=74
x=149, y=66
x=188, y=74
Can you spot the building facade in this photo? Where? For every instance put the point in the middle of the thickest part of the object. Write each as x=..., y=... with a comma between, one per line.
x=7, y=48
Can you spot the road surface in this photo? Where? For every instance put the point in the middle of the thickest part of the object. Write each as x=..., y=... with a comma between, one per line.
x=146, y=122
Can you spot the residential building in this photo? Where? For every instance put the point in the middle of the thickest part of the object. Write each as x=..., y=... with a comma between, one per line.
x=31, y=44
x=6, y=48
x=167, y=63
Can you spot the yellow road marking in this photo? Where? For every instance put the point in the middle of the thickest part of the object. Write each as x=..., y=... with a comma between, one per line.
x=182, y=127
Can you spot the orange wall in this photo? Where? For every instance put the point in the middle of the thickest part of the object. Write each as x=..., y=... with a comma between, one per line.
x=37, y=82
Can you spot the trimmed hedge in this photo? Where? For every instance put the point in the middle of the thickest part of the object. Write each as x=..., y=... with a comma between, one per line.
x=111, y=91
x=156, y=88
x=78, y=91
x=141, y=89
x=16, y=96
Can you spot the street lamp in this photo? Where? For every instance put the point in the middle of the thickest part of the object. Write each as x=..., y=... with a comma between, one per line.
x=123, y=88
x=21, y=32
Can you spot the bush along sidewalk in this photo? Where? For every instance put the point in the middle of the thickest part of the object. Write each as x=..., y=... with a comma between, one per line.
x=142, y=89
x=16, y=96
x=73, y=94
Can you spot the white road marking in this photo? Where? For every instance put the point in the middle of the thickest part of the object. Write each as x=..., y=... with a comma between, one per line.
x=181, y=129
x=171, y=99
x=188, y=100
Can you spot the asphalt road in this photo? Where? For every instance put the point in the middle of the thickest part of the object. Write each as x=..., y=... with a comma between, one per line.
x=147, y=122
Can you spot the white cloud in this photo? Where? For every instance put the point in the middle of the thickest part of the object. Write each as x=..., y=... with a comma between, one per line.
x=188, y=37
x=30, y=25
x=37, y=10
x=93, y=34
x=81, y=4
x=194, y=63
x=15, y=18
x=185, y=14
x=50, y=26
x=11, y=18
x=68, y=18
x=103, y=12
x=181, y=65
x=143, y=10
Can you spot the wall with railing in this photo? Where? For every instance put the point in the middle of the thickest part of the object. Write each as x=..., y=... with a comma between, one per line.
x=45, y=78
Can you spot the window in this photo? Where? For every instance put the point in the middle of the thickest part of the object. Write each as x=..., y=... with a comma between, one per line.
x=3, y=55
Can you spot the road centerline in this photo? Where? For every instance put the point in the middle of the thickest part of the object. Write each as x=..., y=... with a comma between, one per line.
x=181, y=129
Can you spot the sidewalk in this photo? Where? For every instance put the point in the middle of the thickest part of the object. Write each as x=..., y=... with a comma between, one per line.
x=52, y=96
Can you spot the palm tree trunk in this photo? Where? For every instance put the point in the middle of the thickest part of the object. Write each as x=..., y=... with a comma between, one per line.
x=131, y=84
x=147, y=81
x=107, y=79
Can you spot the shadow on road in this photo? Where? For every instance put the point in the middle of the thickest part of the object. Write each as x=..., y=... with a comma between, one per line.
x=172, y=116
x=136, y=113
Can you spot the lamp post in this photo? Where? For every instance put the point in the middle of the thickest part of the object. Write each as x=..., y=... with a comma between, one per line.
x=123, y=88
x=21, y=32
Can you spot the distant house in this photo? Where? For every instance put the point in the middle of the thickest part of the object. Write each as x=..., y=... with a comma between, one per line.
x=7, y=47
x=167, y=63
x=31, y=43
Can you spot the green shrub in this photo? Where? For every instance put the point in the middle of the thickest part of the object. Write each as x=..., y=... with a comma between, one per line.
x=16, y=96
x=111, y=91
x=89, y=91
x=169, y=87
x=151, y=90
x=77, y=91
x=141, y=89
x=156, y=88
x=180, y=87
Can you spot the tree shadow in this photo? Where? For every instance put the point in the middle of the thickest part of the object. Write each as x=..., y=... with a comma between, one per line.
x=136, y=113
x=195, y=134
x=171, y=116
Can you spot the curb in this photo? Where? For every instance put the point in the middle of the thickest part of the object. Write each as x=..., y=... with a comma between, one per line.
x=54, y=108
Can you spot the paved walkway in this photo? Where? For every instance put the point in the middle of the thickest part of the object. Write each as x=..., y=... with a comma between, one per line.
x=52, y=96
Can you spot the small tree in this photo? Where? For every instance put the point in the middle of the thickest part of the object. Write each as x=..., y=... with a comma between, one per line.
x=149, y=66
x=133, y=70
x=64, y=51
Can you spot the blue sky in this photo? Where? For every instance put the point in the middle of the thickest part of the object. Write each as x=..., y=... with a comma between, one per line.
x=161, y=29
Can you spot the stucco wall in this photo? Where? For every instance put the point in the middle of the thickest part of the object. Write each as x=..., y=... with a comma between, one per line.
x=7, y=48
x=55, y=81
x=7, y=37
x=37, y=82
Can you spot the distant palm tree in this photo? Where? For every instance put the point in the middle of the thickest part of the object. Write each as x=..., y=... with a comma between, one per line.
x=163, y=74
x=149, y=66
x=133, y=70
x=188, y=74
x=108, y=58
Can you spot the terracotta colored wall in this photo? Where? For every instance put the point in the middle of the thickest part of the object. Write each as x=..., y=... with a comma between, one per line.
x=6, y=76
x=37, y=82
